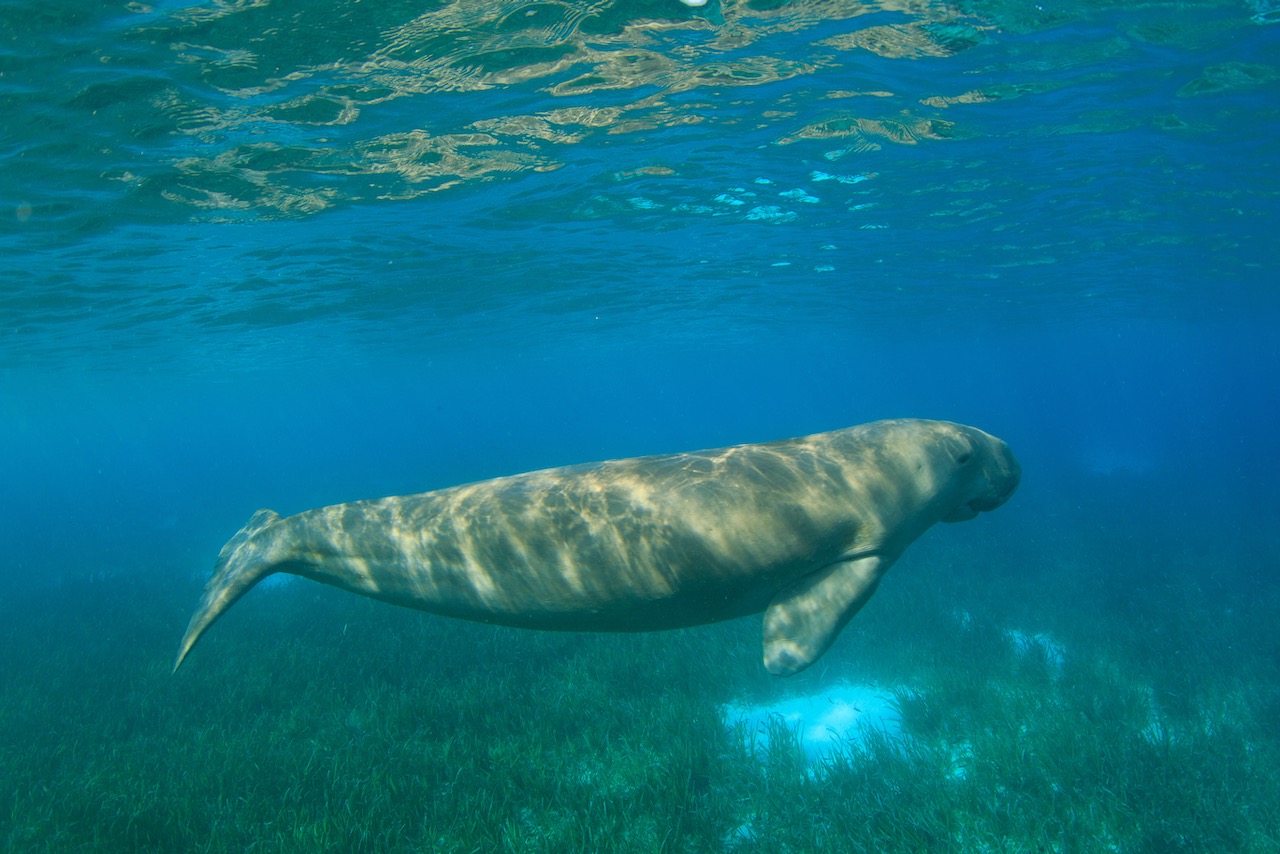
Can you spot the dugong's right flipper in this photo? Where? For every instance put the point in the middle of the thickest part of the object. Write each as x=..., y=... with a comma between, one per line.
x=805, y=617
x=242, y=563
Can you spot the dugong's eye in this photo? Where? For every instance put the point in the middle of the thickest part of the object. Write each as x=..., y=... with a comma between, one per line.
x=963, y=458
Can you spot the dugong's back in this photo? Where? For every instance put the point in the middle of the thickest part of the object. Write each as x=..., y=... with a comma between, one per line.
x=636, y=544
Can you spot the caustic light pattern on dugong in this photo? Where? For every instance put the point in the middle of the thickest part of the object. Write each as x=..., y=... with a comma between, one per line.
x=802, y=529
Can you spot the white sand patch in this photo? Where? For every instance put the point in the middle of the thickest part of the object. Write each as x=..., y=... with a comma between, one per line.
x=824, y=721
x=1039, y=643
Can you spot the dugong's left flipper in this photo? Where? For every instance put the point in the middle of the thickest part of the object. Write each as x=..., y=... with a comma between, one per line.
x=805, y=617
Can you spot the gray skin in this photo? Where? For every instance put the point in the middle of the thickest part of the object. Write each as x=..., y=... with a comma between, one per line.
x=802, y=529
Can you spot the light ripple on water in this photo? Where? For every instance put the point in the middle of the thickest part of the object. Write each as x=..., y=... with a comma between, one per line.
x=484, y=168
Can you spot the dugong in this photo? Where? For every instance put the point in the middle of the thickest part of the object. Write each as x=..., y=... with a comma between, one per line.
x=802, y=529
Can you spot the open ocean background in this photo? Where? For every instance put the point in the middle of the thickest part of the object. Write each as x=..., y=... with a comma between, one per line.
x=276, y=253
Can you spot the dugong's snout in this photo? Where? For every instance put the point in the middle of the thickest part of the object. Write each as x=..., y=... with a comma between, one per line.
x=1002, y=475
x=994, y=482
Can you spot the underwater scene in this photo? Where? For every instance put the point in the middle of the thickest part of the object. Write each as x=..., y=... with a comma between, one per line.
x=319, y=319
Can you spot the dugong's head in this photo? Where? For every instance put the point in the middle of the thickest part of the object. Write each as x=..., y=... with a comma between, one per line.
x=989, y=474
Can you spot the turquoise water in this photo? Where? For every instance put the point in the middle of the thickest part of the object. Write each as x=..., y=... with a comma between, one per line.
x=286, y=254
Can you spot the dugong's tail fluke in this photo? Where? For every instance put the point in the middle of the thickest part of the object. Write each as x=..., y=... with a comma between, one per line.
x=242, y=563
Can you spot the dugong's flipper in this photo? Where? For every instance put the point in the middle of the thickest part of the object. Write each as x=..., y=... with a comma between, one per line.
x=805, y=617
x=242, y=563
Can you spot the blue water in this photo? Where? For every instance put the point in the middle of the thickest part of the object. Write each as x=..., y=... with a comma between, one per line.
x=285, y=254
